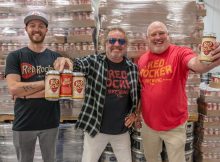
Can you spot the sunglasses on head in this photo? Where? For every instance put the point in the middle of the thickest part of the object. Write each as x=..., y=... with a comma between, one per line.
x=121, y=41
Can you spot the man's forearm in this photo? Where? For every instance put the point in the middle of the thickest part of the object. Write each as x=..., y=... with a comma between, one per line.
x=199, y=67
x=21, y=89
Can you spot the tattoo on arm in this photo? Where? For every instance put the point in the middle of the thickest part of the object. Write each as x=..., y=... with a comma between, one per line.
x=27, y=88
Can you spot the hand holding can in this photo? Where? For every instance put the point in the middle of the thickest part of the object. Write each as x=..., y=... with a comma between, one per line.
x=208, y=44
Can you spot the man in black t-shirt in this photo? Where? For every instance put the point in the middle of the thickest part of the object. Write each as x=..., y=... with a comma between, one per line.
x=111, y=97
x=35, y=117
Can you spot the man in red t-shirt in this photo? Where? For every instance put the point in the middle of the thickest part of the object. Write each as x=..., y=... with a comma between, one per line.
x=163, y=74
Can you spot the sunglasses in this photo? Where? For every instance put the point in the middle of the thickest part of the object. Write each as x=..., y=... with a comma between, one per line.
x=121, y=41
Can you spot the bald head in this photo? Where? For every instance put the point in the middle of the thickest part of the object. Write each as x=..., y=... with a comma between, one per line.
x=157, y=37
x=154, y=25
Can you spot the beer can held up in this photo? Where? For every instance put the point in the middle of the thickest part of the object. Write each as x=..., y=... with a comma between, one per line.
x=208, y=42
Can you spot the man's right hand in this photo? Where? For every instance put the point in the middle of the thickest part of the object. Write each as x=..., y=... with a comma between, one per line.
x=138, y=122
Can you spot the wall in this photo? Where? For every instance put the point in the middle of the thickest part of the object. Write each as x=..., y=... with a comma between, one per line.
x=211, y=21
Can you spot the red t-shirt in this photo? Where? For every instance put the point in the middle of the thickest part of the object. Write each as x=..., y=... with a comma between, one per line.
x=163, y=79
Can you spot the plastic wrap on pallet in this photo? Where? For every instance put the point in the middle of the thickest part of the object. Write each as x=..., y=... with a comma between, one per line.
x=70, y=108
x=41, y=4
x=7, y=105
x=6, y=101
x=60, y=14
x=181, y=18
x=211, y=79
x=71, y=22
x=179, y=15
x=208, y=93
x=70, y=143
x=7, y=150
x=207, y=130
x=5, y=132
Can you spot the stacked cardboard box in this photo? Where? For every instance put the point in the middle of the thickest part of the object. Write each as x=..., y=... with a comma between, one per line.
x=207, y=131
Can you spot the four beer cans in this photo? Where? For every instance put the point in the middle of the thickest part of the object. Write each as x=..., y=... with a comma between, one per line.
x=65, y=85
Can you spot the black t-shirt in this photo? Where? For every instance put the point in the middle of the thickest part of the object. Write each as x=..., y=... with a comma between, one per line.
x=117, y=101
x=37, y=113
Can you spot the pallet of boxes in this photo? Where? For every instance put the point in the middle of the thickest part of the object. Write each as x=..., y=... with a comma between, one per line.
x=207, y=143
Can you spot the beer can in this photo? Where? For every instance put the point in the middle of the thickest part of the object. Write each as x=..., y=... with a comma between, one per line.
x=78, y=86
x=66, y=79
x=208, y=41
x=52, y=85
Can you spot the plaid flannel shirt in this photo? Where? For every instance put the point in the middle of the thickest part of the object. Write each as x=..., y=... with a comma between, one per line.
x=95, y=69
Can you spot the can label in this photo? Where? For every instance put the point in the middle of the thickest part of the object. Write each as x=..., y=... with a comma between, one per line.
x=206, y=48
x=215, y=81
x=66, y=85
x=52, y=87
x=78, y=87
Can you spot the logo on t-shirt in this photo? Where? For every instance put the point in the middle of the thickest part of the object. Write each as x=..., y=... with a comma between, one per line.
x=117, y=82
x=156, y=71
x=28, y=70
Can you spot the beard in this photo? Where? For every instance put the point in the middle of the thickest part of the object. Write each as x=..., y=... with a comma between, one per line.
x=115, y=55
x=120, y=52
x=37, y=39
x=159, y=46
x=158, y=50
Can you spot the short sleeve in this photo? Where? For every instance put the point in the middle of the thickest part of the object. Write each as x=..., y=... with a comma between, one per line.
x=186, y=56
x=12, y=64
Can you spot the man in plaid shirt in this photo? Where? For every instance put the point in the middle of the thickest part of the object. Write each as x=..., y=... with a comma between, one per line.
x=111, y=96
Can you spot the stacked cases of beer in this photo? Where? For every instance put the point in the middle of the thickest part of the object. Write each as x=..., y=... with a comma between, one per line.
x=207, y=143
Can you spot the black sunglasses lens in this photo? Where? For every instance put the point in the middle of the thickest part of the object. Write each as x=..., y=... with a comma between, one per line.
x=121, y=41
x=113, y=40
